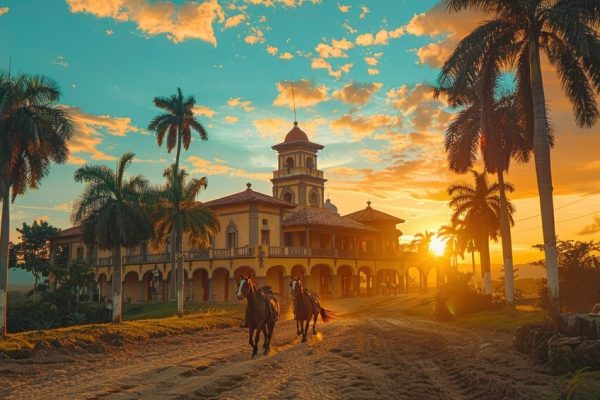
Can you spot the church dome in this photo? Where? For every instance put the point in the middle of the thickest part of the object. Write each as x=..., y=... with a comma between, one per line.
x=329, y=206
x=296, y=135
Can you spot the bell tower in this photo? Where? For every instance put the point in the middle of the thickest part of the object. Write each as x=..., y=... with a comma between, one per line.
x=297, y=179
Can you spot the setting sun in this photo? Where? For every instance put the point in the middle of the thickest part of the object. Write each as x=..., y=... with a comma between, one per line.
x=437, y=246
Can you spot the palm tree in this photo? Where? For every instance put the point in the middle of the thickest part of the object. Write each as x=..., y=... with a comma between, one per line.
x=450, y=234
x=479, y=207
x=512, y=36
x=176, y=125
x=175, y=209
x=422, y=241
x=112, y=215
x=466, y=242
x=503, y=139
x=34, y=132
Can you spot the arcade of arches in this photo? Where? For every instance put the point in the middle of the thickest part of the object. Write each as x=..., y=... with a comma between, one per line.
x=219, y=285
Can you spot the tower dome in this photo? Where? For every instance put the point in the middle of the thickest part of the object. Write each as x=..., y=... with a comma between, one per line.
x=329, y=206
x=296, y=135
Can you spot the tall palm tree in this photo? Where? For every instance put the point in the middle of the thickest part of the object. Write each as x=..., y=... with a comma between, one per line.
x=500, y=141
x=451, y=235
x=513, y=35
x=175, y=209
x=34, y=132
x=479, y=207
x=112, y=215
x=466, y=242
x=176, y=125
x=423, y=240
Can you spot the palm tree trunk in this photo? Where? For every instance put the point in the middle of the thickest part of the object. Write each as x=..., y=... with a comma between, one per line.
x=541, y=151
x=506, y=245
x=474, y=271
x=117, y=286
x=179, y=277
x=173, y=259
x=484, y=254
x=4, y=234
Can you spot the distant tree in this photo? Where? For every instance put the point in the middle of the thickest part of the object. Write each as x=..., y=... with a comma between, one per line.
x=422, y=241
x=34, y=131
x=32, y=252
x=478, y=206
x=578, y=275
x=112, y=215
x=175, y=207
x=451, y=235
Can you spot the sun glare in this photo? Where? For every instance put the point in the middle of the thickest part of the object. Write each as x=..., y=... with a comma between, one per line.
x=437, y=246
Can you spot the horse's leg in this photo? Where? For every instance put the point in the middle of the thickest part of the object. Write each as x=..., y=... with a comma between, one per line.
x=305, y=329
x=266, y=342
x=255, y=344
x=250, y=335
x=315, y=323
x=298, y=327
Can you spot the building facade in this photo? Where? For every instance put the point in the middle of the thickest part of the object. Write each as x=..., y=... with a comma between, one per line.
x=294, y=231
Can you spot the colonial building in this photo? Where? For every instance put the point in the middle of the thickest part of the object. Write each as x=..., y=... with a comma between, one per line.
x=291, y=232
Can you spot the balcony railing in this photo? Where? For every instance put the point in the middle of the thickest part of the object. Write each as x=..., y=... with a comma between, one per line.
x=250, y=252
x=298, y=171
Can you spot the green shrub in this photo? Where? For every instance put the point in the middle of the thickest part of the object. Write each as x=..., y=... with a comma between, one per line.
x=456, y=298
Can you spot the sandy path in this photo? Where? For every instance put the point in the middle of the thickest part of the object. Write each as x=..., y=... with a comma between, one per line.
x=359, y=356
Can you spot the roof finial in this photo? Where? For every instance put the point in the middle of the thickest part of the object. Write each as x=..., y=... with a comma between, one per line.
x=248, y=186
x=293, y=100
x=369, y=204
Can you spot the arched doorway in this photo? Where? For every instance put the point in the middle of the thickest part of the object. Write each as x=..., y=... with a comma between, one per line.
x=154, y=288
x=365, y=281
x=321, y=280
x=199, y=285
x=432, y=278
x=387, y=282
x=220, y=285
x=345, y=281
x=131, y=287
x=103, y=287
x=275, y=279
x=413, y=280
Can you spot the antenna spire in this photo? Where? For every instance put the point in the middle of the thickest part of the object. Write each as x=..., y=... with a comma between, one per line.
x=9, y=64
x=293, y=99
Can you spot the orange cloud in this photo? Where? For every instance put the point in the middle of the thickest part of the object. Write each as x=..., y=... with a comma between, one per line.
x=344, y=8
x=360, y=126
x=257, y=36
x=204, y=110
x=234, y=21
x=306, y=93
x=202, y=166
x=319, y=63
x=592, y=228
x=231, y=119
x=364, y=10
x=246, y=105
x=337, y=49
x=272, y=50
x=381, y=38
x=419, y=104
x=357, y=93
x=4, y=10
x=189, y=20
x=277, y=128
x=286, y=56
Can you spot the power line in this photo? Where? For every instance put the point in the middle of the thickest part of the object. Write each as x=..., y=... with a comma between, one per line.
x=561, y=221
x=561, y=207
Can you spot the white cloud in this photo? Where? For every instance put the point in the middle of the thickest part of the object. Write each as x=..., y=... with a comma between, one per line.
x=60, y=61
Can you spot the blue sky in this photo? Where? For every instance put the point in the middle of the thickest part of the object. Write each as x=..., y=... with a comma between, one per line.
x=362, y=70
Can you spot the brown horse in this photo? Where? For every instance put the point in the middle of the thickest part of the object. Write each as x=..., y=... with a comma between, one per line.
x=307, y=306
x=261, y=316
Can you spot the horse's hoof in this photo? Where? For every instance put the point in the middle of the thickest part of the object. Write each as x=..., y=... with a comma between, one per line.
x=315, y=332
x=254, y=355
x=303, y=340
x=266, y=352
x=298, y=333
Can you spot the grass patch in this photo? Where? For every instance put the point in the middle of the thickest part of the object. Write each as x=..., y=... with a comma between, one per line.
x=141, y=323
x=500, y=320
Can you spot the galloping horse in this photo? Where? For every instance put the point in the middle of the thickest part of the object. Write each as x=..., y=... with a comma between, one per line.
x=307, y=306
x=263, y=312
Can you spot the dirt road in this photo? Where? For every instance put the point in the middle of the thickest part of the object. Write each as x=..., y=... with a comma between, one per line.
x=362, y=355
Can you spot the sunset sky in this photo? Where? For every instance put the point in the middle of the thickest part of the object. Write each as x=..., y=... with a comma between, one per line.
x=363, y=71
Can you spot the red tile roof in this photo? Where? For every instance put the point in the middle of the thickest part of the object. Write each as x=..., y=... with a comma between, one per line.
x=72, y=231
x=310, y=216
x=296, y=135
x=372, y=215
x=248, y=196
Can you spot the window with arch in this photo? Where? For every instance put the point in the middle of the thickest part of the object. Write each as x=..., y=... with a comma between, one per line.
x=289, y=164
x=313, y=199
x=231, y=235
x=288, y=196
x=310, y=163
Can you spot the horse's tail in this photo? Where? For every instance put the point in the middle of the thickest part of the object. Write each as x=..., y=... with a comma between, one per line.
x=327, y=315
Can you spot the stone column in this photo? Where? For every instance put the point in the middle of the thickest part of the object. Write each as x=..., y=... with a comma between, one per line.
x=210, y=289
